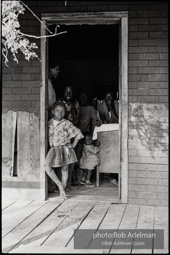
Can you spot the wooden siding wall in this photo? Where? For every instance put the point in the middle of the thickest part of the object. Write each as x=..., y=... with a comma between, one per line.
x=20, y=137
x=147, y=88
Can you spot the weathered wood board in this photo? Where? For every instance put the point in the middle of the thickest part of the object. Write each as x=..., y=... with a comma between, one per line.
x=50, y=229
x=6, y=203
x=91, y=222
x=46, y=228
x=53, y=250
x=27, y=226
x=110, y=222
x=109, y=152
x=8, y=141
x=65, y=231
x=129, y=221
x=145, y=221
x=28, y=146
x=17, y=216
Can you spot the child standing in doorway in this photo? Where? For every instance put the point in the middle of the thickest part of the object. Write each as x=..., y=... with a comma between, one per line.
x=88, y=159
x=61, y=153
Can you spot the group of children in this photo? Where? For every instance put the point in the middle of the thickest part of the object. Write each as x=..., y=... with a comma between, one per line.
x=71, y=127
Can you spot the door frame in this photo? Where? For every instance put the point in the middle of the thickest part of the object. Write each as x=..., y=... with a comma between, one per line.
x=88, y=18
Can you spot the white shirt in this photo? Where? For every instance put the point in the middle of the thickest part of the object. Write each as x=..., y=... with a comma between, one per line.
x=51, y=95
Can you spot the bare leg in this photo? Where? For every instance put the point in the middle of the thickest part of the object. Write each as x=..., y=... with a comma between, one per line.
x=51, y=173
x=53, y=176
x=89, y=172
x=84, y=174
x=70, y=170
x=64, y=171
x=80, y=173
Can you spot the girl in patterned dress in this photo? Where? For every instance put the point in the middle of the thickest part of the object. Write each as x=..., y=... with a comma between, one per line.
x=61, y=153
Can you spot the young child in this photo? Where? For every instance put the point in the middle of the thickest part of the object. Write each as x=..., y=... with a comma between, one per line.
x=88, y=159
x=88, y=119
x=61, y=153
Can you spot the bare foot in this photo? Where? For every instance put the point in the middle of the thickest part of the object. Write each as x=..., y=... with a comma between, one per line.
x=63, y=196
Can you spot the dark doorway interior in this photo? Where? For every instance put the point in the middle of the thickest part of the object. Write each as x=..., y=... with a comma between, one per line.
x=89, y=59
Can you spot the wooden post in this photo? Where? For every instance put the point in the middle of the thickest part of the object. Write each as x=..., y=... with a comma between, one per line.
x=97, y=176
x=124, y=110
x=43, y=89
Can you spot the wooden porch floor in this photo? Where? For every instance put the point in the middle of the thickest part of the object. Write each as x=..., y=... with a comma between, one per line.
x=48, y=226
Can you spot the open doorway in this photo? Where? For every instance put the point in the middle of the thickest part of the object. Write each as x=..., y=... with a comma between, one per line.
x=99, y=66
x=89, y=60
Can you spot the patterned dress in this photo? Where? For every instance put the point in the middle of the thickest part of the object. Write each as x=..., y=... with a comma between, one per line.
x=89, y=157
x=60, y=134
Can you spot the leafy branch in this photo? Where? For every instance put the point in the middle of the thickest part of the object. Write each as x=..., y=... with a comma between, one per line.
x=12, y=38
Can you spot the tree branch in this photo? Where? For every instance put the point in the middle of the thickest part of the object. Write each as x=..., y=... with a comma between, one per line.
x=45, y=36
x=35, y=16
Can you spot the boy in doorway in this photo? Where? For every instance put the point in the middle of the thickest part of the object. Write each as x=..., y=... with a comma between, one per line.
x=107, y=109
x=87, y=121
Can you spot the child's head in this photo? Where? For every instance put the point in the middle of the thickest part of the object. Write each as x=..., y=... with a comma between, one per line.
x=68, y=93
x=88, y=139
x=54, y=68
x=59, y=110
x=108, y=96
x=83, y=98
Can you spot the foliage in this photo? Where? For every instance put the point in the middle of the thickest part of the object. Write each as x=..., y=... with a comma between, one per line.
x=12, y=38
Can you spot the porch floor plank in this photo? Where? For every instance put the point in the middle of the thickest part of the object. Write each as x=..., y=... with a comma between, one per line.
x=109, y=199
x=14, y=215
x=161, y=222
x=129, y=221
x=92, y=221
x=111, y=221
x=16, y=206
x=6, y=203
x=65, y=231
x=27, y=226
x=50, y=228
x=46, y=228
x=53, y=250
x=145, y=221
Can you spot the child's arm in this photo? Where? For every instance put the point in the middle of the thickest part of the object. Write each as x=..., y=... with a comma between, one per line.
x=50, y=134
x=92, y=149
x=73, y=145
x=75, y=133
x=96, y=143
x=96, y=121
